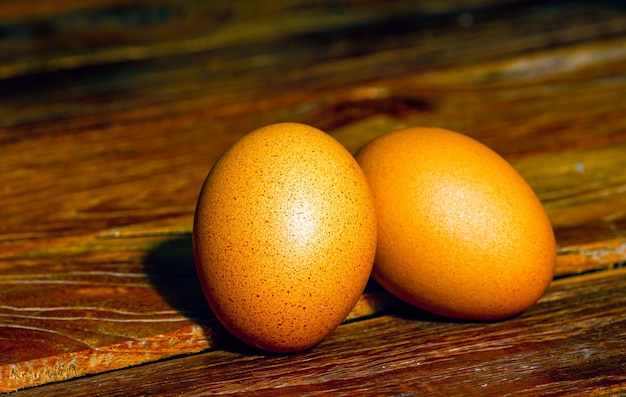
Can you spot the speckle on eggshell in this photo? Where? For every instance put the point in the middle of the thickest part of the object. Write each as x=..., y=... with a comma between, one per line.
x=284, y=237
x=460, y=232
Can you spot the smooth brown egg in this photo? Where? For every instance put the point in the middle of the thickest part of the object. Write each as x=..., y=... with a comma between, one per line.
x=284, y=237
x=460, y=232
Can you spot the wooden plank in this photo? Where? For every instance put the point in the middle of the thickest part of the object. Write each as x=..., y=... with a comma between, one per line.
x=120, y=291
x=77, y=34
x=410, y=352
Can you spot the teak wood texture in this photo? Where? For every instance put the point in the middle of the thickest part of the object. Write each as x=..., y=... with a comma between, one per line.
x=112, y=113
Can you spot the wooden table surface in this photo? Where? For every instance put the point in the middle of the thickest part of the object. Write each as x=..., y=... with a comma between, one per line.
x=112, y=112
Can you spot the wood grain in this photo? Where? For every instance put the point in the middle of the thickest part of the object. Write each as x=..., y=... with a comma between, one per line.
x=411, y=352
x=113, y=111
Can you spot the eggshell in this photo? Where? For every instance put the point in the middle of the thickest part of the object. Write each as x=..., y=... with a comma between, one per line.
x=460, y=232
x=284, y=237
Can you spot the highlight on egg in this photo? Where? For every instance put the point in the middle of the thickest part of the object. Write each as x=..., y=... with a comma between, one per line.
x=284, y=237
x=460, y=232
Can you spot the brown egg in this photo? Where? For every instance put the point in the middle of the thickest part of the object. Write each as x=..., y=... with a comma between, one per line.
x=284, y=237
x=460, y=232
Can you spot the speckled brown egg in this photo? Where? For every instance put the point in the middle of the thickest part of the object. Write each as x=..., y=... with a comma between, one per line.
x=284, y=237
x=460, y=232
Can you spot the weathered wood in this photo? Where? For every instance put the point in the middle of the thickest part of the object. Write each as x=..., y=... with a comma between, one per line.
x=411, y=352
x=113, y=111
